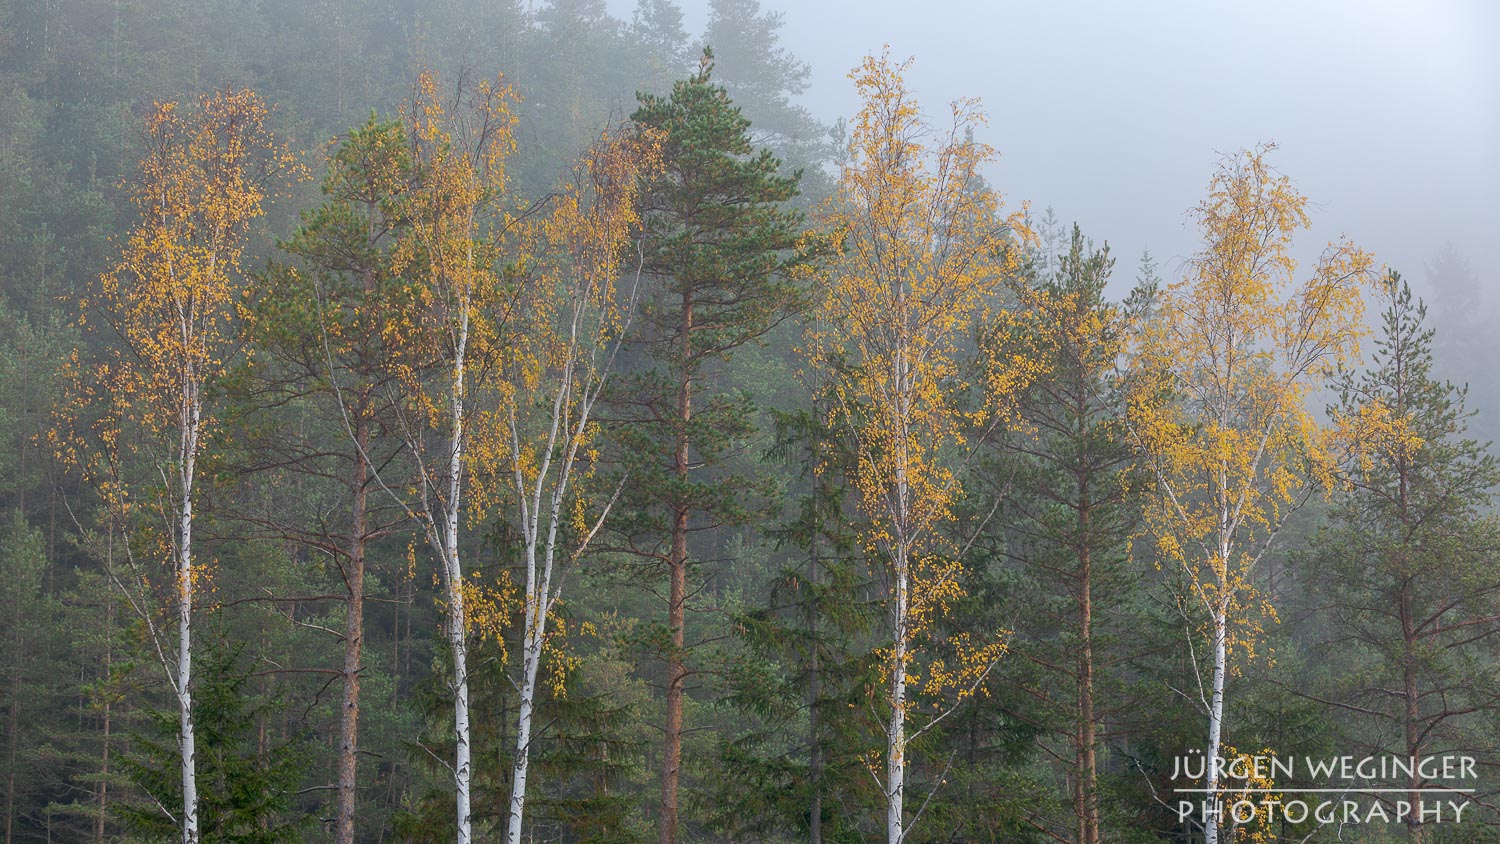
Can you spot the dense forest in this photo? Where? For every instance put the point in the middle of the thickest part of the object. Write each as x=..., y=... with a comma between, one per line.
x=486, y=421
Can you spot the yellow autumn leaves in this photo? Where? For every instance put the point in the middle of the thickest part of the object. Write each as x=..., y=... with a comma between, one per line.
x=923, y=253
x=1225, y=369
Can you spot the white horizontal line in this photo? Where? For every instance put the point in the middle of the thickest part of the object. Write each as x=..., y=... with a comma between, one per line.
x=1331, y=790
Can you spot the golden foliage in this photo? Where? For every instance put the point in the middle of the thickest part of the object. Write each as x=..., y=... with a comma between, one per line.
x=458, y=221
x=924, y=251
x=1224, y=367
x=172, y=299
x=1251, y=781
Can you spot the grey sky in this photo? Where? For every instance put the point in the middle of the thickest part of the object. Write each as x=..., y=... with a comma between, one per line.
x=1387, y=113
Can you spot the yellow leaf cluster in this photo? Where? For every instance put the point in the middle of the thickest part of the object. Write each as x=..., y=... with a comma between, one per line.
x=1225, y=364
x=924, y=253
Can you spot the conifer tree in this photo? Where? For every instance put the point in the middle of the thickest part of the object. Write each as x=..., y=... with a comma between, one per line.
x=315, y=330
x=1073, y=510
x=1407, y=558
x=722, y=249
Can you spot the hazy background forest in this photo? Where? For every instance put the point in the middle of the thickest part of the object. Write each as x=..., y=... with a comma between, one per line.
x=732, y=578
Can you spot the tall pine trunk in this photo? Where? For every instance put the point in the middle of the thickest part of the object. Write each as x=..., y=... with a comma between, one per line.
x=814, y=680
x=1087, y=762
x=13, y=728
x=354, y=640
x=677, y=594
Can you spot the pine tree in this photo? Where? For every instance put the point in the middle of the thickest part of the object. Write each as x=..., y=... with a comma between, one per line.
x=316, y=339
x=1072, y=510
x=764, y=77
x=721, y=247
x=1407, y=558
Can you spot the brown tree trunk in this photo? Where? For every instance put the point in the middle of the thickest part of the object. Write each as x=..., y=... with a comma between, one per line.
x=1411, y=714
x=14, y=728
x=677, y=597
x=814, y=686
x=1088, y=775
x=354, y=639
x=109, y=632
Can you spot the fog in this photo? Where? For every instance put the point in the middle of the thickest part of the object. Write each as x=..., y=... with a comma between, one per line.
x=803, y=514
x=1387, y=113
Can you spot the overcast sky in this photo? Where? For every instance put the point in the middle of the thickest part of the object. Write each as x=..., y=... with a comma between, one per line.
x=1387, y=113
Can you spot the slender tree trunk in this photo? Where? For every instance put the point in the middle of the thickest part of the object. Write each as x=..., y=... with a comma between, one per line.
x=1216, y=717
x=531, y=660
x=895, y=751
x=185, y=627
x=109, y=658
x=814, y=688
x=1411, y=714
x=1088, y=774
x=457, y=633
x=13, y=727
x=895, y=746
x=677, y=596
x=103, y=810
x=354, y=640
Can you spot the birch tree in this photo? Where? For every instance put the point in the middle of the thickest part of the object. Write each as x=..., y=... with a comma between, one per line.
x=171, y=303
x=923, y=252
x=456, y=226
x=1235, y=346
x=574, y=311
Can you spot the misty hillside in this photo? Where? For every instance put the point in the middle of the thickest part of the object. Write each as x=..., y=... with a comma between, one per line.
x=594, y=422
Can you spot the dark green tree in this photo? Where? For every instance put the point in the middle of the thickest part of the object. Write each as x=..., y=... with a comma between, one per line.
x=1070, y=509
x=29, y=688
x=248, y=780
x=722, y=249
x=1407, y=560
x=320, y=355
x=763, y=77
x=790, y=761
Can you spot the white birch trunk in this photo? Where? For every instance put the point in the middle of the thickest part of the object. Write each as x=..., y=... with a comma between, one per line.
x=189, y=444
x=1216, y=718
x=538, y=600
x=539, y=594
x=531, y=661
x=191, y=419
x=185, y=660
x=457, y=628
x=895, y=750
